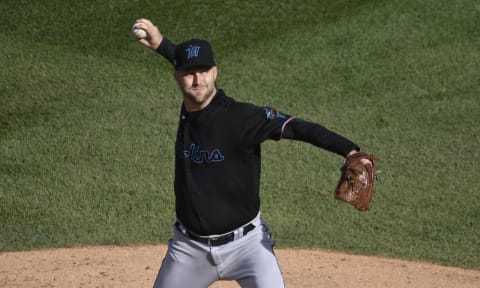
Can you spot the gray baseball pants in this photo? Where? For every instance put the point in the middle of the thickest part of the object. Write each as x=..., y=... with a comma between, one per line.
x=249, y=260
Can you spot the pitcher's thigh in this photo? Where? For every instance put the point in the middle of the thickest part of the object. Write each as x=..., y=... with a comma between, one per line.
x=264, y=268
x=185, y=269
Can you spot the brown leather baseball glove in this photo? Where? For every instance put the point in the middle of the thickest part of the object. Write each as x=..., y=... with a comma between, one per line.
x=358, y=175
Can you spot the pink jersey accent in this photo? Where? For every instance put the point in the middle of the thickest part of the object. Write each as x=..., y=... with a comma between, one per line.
x=285, y=125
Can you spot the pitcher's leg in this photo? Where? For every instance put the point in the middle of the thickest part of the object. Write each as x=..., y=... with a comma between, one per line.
x=186, y=265
x=253, y=263
x=266, y=271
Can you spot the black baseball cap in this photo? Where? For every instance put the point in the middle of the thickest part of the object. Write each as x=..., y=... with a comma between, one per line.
x=193, y=53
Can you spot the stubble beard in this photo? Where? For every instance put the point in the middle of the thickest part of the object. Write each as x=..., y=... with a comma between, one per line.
x=199, y=96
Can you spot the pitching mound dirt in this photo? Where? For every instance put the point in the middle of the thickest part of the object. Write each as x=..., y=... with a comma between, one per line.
x=138, y=266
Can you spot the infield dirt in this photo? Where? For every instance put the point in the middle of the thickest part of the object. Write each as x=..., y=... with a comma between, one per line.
x=137, y=266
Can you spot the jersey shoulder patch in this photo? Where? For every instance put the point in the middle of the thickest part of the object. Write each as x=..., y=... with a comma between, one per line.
x=272, y=113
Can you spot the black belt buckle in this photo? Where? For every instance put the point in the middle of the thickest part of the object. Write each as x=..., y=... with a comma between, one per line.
x=217, y=241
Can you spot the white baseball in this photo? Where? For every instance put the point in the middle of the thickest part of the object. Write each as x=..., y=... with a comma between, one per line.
x=139, y=33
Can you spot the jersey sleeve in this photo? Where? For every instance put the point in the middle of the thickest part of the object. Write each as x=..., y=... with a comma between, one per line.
x=262, y=123
x=267, y=123
x=319, y=136
x=167, y=50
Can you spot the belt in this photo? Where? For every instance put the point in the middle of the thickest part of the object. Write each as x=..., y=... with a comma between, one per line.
x=217, y=240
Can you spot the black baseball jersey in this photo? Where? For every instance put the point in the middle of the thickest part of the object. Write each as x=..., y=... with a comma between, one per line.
x=217, y=167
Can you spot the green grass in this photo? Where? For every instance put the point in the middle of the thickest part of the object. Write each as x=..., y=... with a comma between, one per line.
x=88, y=120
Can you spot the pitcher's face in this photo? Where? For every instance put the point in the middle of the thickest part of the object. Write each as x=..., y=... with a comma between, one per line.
x=197, y=85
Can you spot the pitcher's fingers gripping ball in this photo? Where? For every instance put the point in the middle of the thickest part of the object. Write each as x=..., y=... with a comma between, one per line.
x=357, y=178
x=147, y=33
x=138, y=32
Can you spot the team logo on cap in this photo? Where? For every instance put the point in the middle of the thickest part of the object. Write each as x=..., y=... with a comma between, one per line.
x=192, y=51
